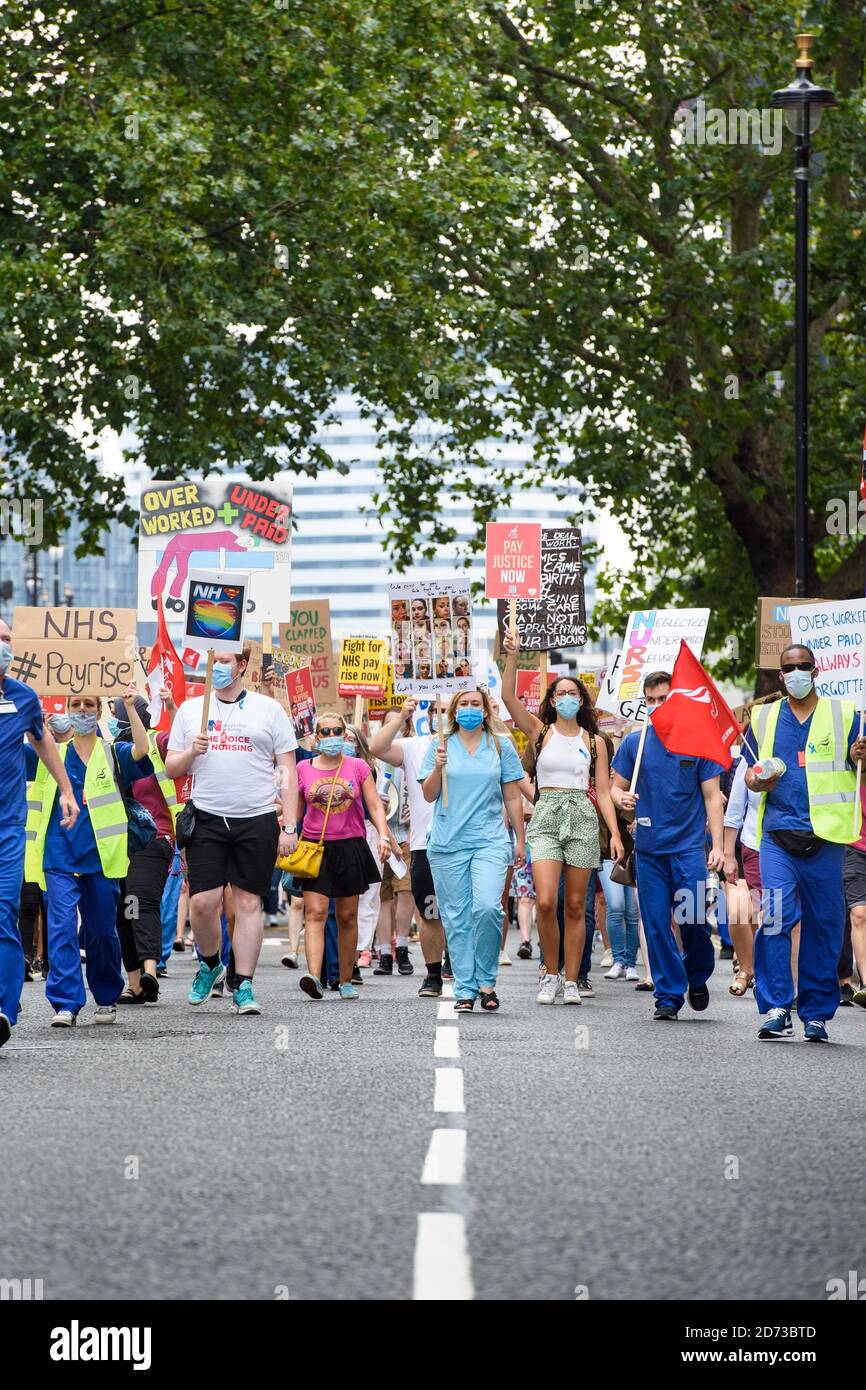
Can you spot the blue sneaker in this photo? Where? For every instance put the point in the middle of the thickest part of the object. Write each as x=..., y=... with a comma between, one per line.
x=202, y=986
x=816, y=1031
x=244, y=999
x=349, y=992
x=778, y=1025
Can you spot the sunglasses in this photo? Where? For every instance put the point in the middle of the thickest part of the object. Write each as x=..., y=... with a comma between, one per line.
x=329, y=733
x=796, y=666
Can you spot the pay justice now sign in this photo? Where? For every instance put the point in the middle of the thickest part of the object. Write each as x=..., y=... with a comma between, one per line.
x=513, y=559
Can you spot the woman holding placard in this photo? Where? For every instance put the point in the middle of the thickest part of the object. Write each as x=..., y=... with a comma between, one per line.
x=468, y=848
x=333, y=790
x=564, y=833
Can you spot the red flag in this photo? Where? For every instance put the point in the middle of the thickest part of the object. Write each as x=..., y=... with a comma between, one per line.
x=695, y=719
x=863, y=470
x=166, y=658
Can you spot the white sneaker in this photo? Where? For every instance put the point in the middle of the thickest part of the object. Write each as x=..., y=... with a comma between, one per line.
x=550, y=987
x=106, y=1013
x=606, y=960
x=64, y=1018
x=289, y=960
x=617, y=972
x=504, y=958
x=631, y=973
x=570, y=994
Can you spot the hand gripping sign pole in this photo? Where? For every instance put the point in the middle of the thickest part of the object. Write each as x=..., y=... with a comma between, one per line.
x=442, y=744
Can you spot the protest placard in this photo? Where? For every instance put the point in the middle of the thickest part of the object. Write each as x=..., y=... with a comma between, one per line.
x=298, y=685
x=74, y=651
x=529, y=688
x=308, y=635
x=431, y=636
x=557, y=619
x=363, y=667
x=834, y=631
x=513, y=561
x=772, y=630
x=651, y=643
x=216, y=610
x=53, y=704
x=216, y=523
x=376, y=707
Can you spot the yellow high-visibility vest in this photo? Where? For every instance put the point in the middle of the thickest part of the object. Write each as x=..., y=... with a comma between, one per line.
x=105, y=808
x=166, y=783
x=831, y=783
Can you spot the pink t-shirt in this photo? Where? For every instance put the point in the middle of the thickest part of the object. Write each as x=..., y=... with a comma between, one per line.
x=346, y=820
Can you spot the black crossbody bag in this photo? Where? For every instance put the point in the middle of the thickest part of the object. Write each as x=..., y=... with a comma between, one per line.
x=803, y=844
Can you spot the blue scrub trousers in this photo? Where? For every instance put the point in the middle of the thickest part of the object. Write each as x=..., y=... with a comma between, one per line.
x=96, y=898
x=168, y=906
x=809, y=891
x=11, y=950
x=469, y=884
x=660, y=878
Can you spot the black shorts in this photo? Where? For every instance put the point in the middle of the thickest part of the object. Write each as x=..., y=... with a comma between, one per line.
x=348, y=869
x=854, y=877
x=240, y=850
x=423, y=890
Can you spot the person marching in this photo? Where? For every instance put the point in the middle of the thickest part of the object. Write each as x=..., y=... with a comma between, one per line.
x=237, y=833
x=21, y=716
x=80, y=868
x=805, y=819
x=675, y=797
x=469, y=849
x=563, y=834
x=333, y=790
x=139, y=919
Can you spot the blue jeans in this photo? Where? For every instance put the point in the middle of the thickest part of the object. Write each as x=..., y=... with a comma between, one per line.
x=168, y=906
x=621, y=918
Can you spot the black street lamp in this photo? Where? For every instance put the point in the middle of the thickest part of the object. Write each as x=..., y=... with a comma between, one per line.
x=802, y=101
x=56, y=552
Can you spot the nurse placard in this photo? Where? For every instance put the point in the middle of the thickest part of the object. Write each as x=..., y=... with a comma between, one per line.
x=215, y=611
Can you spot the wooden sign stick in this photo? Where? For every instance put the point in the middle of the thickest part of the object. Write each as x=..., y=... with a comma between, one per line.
x=442, y=741
x=359, y=711
x=208, y=686
x=512, y=615
x=542, y=676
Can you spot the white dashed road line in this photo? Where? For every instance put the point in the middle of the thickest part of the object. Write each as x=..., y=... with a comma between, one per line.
x=448, y=1095
x=445, y=1163
x=443, y=1272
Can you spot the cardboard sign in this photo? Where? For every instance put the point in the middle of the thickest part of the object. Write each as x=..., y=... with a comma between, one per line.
x=529, y=688
x=513, y=559
x=557, y=619
x=363, y=667
x=834, y=631
x=217, y=523
x=74, y=651
x=308, y=635
x=215, y=612
x=772, y=630
x=431, y=636
x=302, y=702
x=257, y=665
x=651, y=643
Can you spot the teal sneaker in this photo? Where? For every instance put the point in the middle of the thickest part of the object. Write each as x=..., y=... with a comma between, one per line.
x=349, y=992
x=244, y=999
x=203, y=985
x=311, y=986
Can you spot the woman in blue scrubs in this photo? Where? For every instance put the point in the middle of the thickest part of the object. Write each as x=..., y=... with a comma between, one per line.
x=468, y=847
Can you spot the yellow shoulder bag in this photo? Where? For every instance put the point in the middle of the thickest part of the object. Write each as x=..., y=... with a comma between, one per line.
x=306, y=860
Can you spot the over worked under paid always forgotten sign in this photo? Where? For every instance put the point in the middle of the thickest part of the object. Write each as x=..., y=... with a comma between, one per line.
x=834, y=631
x=74, y=651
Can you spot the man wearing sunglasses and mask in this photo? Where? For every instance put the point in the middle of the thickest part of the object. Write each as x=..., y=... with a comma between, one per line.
x=805, y=819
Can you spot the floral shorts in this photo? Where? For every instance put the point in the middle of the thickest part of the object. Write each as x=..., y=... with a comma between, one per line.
x=564, y=826
x=522, y=883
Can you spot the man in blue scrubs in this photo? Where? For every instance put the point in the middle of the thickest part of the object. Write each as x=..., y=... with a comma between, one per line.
x=674, y=799
x=20, y=715
x=805, y=821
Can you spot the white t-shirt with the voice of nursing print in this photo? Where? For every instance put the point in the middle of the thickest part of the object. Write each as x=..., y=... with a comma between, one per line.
x=235, y=777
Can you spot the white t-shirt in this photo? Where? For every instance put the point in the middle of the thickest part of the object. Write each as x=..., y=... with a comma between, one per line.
x=235, y=777
x=420, y=811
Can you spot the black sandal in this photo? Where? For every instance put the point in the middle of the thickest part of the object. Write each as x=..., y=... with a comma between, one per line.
x=489, y=1002
x=149, y=987
x=464, y=1006
x=129, y=996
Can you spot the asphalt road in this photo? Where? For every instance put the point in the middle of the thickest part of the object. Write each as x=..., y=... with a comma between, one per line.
x=191, y=1154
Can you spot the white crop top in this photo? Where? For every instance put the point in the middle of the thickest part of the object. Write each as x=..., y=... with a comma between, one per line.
x=563, y=762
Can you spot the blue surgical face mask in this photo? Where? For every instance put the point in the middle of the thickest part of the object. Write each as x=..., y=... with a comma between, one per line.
x=332, y=746
x=5, y=656
x=114, y=726
x=798, y=683
x=60, y=724
x=469, y=717
x=222, y=674
x=568, y=705
x=83, y=723
x=349, y=749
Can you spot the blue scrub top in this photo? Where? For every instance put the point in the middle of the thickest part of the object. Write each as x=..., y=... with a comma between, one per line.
x=74, y=851
x=23, y=715
x=670, y=815
x=787, y=805
x=474, y=815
